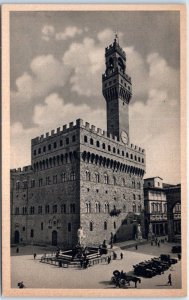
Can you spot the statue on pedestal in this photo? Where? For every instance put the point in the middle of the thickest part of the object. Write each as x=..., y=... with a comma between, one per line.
x=80, y=235
x=139, y=233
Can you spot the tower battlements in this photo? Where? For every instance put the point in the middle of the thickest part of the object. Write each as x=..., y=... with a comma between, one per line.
x=85, y=125
x=115, y=47
x=22, y=170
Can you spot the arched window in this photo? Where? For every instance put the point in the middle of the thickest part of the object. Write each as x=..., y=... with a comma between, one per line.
x=97, y=207
x=98, y=144
x=114, y=150
x=91, y=141
x=49, y=147
x=91, y=226
x=118, y=152
x=97, y=177
x=85, y=139
x=105, y=178
x=114, y=225
x=109, y=148
x=105, y=225
x=127, y=154
x=44, y=149
x=72, y=176
x=39, y=150
x=63, y=177
x=134, y=197
x=131, y=156
x=88, y=175
x=142, y=160
x=122, y=153
x=73, y=138
x=67, y=141
x=69, y=227
x=88, y=207
x=55, y=145
x=61, y=143
x=139, y=208
x=103, y=146
x=135, y=157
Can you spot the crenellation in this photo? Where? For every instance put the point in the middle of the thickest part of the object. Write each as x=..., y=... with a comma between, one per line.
x=93, y=128
x=64, y=127
x=52, y=132
x=87, y=125
x=99, y=131
x=58, y=130
x=79, y=123
x=71, y=124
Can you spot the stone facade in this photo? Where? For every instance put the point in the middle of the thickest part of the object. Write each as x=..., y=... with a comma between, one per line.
x=83, y=176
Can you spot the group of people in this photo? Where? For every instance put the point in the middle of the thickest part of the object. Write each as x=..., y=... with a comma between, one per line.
x=114, y=257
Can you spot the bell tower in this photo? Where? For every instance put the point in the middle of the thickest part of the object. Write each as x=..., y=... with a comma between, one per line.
x=117, y=91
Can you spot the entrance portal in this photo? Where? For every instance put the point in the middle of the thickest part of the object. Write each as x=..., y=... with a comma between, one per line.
x=54, y=238
x=16, y=237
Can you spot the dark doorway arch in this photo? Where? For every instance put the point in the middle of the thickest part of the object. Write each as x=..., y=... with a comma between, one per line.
x=54, y=238
x=16, y=237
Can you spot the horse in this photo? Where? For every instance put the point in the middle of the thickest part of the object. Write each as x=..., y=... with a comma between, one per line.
x=133, y=279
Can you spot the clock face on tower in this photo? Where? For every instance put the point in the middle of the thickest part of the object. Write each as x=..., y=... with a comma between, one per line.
x=124, y=137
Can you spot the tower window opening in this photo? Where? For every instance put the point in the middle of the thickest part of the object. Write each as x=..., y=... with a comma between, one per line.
x=114, y=225
x=131, y=156
x=91, y=226
x=61, y=143
x=91, y=141
x=85, y=139
x=118, y=152
x=49, y=146
x=39, y=151
x=55, y=145
x=44, y=149
x=114, y=150
x=103, y=146
x=105, y=225
x=109, y=148
x=67, y=141
x=73, y=138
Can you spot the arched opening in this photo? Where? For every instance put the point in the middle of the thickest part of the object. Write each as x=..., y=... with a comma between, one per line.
x=54, y=238
x=16, y=237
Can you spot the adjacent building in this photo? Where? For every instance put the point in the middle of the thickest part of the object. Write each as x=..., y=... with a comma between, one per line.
x=155, y=207
x=82, y=176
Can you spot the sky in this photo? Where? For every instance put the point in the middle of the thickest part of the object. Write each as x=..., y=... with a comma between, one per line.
x=56, y=66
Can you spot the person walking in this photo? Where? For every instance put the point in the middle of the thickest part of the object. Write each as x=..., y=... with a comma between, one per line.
x=121, y=255
x=109, y=259
x=169, y=280
x=34, y=255
x=17, y=250
x=136, y=247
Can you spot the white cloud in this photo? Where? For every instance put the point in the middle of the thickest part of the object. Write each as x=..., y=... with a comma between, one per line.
x=48, y=32
x=86, y=60
x=50, y=115
x=69, y=32
x=46, y=73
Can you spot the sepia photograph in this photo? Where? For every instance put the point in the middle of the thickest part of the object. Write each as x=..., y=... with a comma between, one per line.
x=94, y=185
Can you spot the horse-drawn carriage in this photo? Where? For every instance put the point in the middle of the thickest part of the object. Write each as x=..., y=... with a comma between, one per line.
x=121, y=279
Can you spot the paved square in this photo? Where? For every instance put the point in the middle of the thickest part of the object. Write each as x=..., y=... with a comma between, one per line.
x=40, y=275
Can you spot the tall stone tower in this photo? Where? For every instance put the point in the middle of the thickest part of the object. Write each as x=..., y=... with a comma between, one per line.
x=117, y=90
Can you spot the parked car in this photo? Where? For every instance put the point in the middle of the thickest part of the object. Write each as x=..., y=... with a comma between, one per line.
x=176, y=249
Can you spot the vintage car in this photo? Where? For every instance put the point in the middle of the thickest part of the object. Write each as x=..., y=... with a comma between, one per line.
x=176, y=249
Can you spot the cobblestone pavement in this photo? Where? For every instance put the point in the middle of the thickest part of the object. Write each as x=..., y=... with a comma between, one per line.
x=41, y=275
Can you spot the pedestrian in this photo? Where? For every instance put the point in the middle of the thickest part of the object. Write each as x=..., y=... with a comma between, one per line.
x=81, y=263
x=169, y=280
x=136, y=247
x=114, y=255
x=34, y=255
x=17, y=250
x=109, y=259
x=158, y=244
x=121, y=255
x=21, y=285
